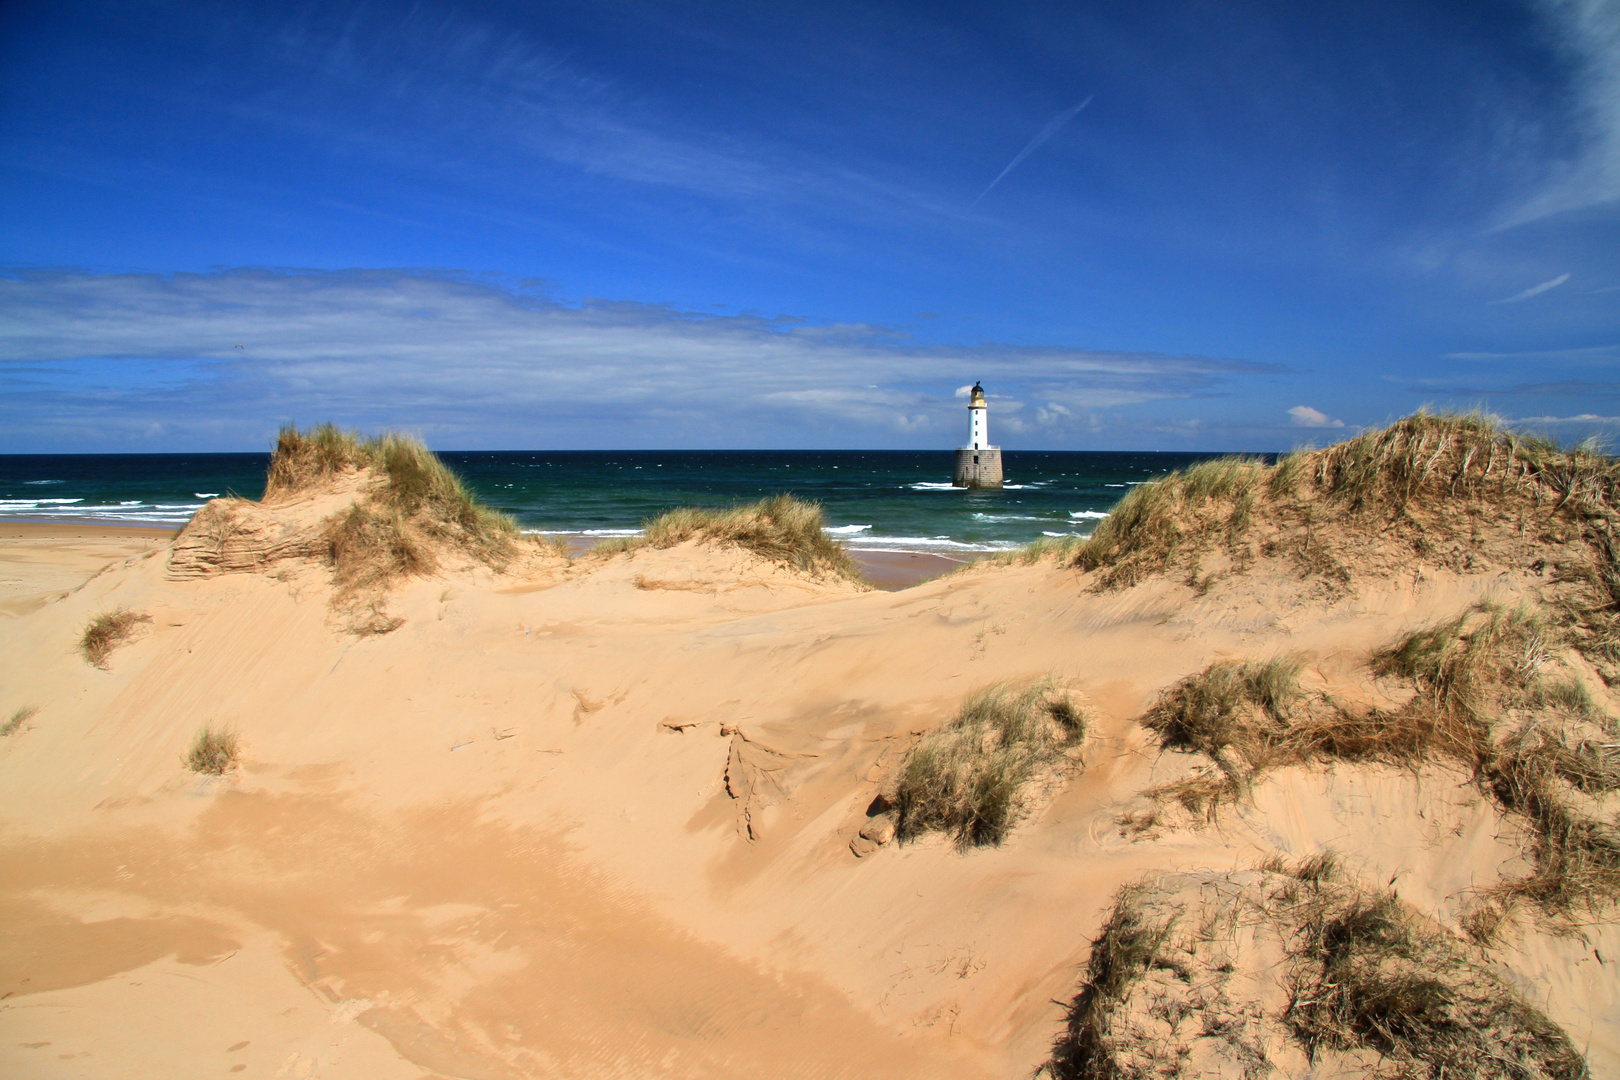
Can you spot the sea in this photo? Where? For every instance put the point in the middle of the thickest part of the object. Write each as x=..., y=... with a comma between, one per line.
x=877, y=500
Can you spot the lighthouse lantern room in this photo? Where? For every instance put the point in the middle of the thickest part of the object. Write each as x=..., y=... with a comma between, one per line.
x=978, y=464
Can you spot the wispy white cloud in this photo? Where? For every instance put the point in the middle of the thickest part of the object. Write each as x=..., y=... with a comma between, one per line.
x=1050, y=129
x=479, y=114
x=1589, y=33
x=1590, y=352
x=473, y=363
x=1305, y=416
x=1534, y=290
x=1582, y=418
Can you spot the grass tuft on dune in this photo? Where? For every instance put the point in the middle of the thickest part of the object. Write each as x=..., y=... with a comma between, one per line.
x=107, y=631
x=1494, y=696
x=307, y=459
x=968, y=777
x=413, y=509
x=18, y=719
x=1351, y=970
x=213, y=751
x=1150, y=526
x=1425, y=480
x=783, y=529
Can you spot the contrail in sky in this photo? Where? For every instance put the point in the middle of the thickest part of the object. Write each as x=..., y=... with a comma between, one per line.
x=1534, y=290
x=1041, y=136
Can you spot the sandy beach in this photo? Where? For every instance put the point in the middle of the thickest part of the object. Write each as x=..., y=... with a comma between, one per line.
x=614, y=816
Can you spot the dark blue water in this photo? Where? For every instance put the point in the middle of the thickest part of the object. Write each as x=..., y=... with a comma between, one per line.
x=873, y=499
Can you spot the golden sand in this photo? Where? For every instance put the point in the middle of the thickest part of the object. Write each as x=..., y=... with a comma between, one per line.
x=600, y=819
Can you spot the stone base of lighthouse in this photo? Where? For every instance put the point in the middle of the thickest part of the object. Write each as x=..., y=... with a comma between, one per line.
x=977, y=468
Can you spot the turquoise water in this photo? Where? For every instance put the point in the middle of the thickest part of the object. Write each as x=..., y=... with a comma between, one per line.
x=873, y=499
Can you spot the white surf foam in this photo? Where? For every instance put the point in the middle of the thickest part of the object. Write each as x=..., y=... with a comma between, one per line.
x=925, y=544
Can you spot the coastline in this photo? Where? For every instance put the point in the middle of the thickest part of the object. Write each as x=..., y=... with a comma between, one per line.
x=38, y=559
x=57, y=530
x=82, y=543
x=877, y=501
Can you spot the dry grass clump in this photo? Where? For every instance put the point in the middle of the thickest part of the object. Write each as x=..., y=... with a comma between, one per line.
x=1459, y=454
x=1537, y=742
x=969, y=777
x=1228, y=704
x=18, y=719
x=370, y=547
x=1561, y=776
x=783, y=529
x=1464, y=665
x=1493, y=697
x=1151, y=525
x=1240, y=715
x=1459, y=489
x=306, y=459
x=551, y=545
x=214, y=751
x=1368, y=971
x=413, y=510
x=423, y=489
x=1090, y=1047
x=1283, y=969
x=107, y=631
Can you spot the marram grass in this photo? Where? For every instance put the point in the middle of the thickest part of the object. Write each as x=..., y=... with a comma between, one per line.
x=783, y=529
x=415, y=505
x=968, y=778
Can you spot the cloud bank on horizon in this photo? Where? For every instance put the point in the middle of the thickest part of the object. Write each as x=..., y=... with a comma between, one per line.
x=770, y=226
x=477, y=365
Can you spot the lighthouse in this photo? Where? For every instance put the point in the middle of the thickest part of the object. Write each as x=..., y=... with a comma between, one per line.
x=978, y=464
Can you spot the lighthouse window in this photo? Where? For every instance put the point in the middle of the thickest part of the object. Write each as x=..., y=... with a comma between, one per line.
x=975, y=459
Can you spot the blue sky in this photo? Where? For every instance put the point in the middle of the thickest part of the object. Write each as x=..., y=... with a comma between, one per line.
x=1211, y=226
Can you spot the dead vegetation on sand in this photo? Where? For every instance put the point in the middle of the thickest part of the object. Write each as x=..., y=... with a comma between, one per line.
x=1288, y=970
x=213, y=752
x=1210, y=503
x=1495, y=695
x=410, y=515
x=107, y=632
x=1504, y=691
x=18, y=719
x=970, y=778
x=414, y=506
x=1459, y=490
x=785, y=530
x=1496, y=682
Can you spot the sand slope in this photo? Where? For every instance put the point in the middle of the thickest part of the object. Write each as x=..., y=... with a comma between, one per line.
x=596, y=820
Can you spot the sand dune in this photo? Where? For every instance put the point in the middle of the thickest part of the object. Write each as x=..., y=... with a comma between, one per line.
x=595, y=819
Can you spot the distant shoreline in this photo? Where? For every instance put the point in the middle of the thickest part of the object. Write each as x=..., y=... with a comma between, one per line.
x=62, y=530
x=884, y=569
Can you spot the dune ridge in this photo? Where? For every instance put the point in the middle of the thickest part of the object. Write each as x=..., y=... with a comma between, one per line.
x=638, y=814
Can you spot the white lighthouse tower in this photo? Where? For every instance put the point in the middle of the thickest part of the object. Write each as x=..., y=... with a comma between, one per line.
x=978, y=464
